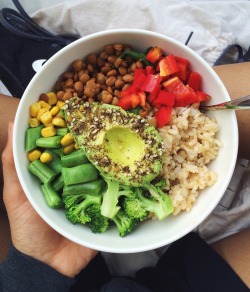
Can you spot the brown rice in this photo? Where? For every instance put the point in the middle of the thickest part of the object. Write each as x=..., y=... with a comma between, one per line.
x=190, y=145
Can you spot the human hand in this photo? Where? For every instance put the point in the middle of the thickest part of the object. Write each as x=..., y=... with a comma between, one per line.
x=30, y=234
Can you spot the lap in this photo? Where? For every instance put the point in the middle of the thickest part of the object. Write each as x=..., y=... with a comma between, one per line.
x=190, y=264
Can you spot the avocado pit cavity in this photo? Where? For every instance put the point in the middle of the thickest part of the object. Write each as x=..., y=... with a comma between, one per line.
x=124, y=147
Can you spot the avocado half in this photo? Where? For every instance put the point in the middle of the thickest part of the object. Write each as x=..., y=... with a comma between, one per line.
x=121, y=145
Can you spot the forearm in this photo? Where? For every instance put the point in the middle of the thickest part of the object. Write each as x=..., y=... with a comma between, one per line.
x=8, y=107
x=23, y=273
x=236, y=80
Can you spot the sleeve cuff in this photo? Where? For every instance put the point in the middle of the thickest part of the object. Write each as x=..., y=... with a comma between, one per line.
x=20, y=272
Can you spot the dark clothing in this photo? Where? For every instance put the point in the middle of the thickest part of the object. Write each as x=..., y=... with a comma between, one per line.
x=189, y=264
x=23, y=273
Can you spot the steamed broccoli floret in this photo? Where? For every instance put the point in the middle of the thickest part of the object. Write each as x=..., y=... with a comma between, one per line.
x=133, y=207
x=98, y=223
x=124, y=223
x=110, y=205
x=77, y=212
x=86, y=209
x=150, y=199
x=70, y=200
x=160, y=203
x=123, y=205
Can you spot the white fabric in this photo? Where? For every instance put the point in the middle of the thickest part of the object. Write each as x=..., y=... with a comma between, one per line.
x=232, y=214
x=216, y=24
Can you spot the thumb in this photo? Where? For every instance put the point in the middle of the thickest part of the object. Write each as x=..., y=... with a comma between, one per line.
x=7, y=155
x=12, y=192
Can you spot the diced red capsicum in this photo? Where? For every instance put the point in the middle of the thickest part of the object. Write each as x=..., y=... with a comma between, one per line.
x=151, y=97
x=202, y=96
x=164, y=98
x=157, y=67
x=139, y=78
x=129, y=101
x=163, y=116
x=142, y=98
x=150, y=70
x=154, y=54
x=194, y=80
x=184, y=95
x=183, y=68
x=168, y=66
x=169, y=84
x=152, y=83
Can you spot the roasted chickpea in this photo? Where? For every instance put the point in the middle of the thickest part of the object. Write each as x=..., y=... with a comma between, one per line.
x=100, y=77
x=77, y=65
x=115, y=100
x=92, y=59
x=109, y=50
x=106, y=97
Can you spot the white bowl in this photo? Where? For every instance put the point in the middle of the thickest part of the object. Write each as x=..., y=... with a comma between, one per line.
x=152, y=234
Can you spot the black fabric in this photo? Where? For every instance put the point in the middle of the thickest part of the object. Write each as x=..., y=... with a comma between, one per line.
x=97, y=278
x=96, y=273
x=190, y=264
x=122, y=285
x=21, y=273
x=22, y=43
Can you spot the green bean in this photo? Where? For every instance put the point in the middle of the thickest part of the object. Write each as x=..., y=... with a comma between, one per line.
x=42, y=171
x=79, y=174
x=31, y=135
x=62, y=131
x=51, y=196
x=75, y=158
x=94, y=187
x=58, y=183
x=49, y=142
x=59, y=151
x=55, y=164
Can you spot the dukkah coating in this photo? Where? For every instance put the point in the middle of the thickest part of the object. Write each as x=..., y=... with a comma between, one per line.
x=86, y=121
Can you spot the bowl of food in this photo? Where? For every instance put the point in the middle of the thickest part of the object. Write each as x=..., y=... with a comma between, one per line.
x=111, y=147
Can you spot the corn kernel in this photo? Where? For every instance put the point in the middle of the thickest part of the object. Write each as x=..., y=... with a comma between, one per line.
x=48, y=124
x=34, y=122
x=55, y=110
x=60, y=104
x=68, y=149
x=41, y=112
x=46, y=118
x=48, y=131
x=67, y=139
x=52, y=98
x=34, y=154
x=44, y=104
x=34, y=109
x=46, y=157
x=59, y=122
